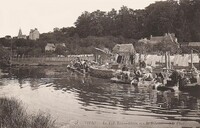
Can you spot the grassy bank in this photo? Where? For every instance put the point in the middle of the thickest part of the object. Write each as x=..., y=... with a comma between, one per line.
x=13, y=115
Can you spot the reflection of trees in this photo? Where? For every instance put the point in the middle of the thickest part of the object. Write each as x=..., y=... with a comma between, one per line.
x=173, y=101
x=20, y=80
x=27, y=72
x=34, y=83
x=100, y=91
x=33, y=74
x=126, y=96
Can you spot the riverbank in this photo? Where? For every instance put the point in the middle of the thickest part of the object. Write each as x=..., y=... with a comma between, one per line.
x=49, y=61
x=13, y=115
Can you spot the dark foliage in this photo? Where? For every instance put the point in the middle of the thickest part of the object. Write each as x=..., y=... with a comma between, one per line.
x=13, y=115
x=105, y=29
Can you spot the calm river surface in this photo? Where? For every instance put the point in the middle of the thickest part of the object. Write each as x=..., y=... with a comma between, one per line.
x=81, y=101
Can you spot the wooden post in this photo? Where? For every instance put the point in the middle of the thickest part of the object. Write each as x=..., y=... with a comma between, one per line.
x=134, y=63
x=169, y=61
x=191, y=58
x=199, y=64
x=139, y=60
x=96, y=58
x=166, y=60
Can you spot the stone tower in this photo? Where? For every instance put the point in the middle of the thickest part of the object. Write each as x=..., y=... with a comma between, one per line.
x=20, y=33
x=20, y=36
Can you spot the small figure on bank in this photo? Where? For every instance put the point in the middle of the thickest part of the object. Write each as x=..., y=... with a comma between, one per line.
x=142, y=64
x=138, y=73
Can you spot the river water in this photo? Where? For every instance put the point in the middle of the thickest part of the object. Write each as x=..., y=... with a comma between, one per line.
x=74, y=100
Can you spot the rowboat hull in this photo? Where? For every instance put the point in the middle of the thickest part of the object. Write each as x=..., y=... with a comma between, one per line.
x=116, y=80
x=190, y=88
x=101, y=73
x=80, y=71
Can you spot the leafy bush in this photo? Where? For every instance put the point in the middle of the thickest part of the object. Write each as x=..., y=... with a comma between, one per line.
x=13, y=115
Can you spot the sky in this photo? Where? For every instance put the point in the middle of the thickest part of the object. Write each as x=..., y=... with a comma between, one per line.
x=48, y=14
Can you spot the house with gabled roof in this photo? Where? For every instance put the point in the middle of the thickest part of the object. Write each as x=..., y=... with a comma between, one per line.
x=124, y=49
x=168, y=42
x=125, y=53
x=169, y=37
x=50, y=47
x=188, y=46
x=155, y=39
x=194, y=44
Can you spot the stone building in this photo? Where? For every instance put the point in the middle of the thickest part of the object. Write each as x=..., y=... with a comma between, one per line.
x=34, y=34
x=20, y=35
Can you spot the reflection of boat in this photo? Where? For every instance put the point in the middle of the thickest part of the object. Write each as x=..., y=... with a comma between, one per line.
x=146, y=82
x=101, y=72
x=142, y=82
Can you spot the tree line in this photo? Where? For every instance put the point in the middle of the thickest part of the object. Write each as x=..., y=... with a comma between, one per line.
x=181, y=18
x=105, y=29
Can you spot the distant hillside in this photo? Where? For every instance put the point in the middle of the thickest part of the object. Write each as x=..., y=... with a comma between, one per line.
x=105, y=29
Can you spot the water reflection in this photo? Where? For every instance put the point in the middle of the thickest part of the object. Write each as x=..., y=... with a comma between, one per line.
x=102, y=93
x=94, y=93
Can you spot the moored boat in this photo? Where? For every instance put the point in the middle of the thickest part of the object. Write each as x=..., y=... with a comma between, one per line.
x=80, y=71
x=190, y=88
x=123, y=77
x=120, y=81
x=101, y=72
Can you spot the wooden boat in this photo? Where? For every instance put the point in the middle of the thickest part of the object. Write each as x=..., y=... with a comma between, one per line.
x=123, y=77
x=120, y=81
x=185, y=87
x=190, y=88
x=165, y=88
x=74, y=69
x=101, y=72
